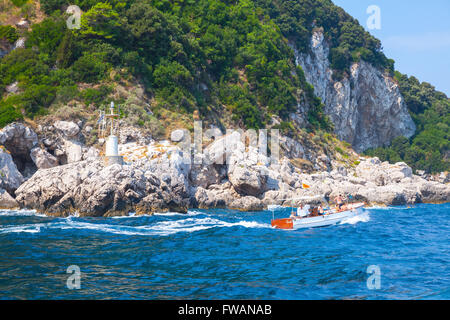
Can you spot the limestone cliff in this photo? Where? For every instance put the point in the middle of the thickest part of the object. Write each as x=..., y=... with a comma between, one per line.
x=366, y=107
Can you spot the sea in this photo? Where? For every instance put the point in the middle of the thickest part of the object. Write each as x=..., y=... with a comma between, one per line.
x=385, y=253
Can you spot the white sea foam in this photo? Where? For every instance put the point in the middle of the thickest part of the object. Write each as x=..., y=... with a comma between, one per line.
x=172, y=214
x=363, y=217
x=390, y=208
x=23, y=212
x=21, y=228
x=162, y=228
x=162, y=214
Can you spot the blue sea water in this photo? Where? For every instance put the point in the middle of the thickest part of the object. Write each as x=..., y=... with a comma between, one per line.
x=224, y=254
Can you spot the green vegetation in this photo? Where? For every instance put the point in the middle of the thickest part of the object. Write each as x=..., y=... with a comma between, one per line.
x=429, y=148
x=348, y=40
x=19, y=3
x=175, y=48
x=8, y=33
x=223, y=57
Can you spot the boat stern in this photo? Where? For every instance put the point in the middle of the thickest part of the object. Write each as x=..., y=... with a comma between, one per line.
x=285, y=224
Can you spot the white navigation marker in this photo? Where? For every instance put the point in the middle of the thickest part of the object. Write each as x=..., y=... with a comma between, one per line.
x=112, y=141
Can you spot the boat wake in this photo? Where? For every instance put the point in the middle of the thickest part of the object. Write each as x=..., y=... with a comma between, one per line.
x=20, y=213
x=161, y=228
x=363, y=217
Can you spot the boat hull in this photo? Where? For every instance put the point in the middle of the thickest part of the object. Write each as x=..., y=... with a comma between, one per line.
x=320, y=221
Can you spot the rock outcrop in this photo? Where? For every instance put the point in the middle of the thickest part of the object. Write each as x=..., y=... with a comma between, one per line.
x=68, y=128
x=10, y=177
x=95, y=190
x=19, y=140
x=366, y=107
x=7, y=201
x=43, y=159
x=161, y=177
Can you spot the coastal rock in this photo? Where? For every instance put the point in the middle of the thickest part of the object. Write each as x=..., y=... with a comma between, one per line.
x=131, y=134
x=206, y=175
x=18, y=139
x=6, y=201
x=218, y=151
x=92, y=154
x=434, y=192
x=247, y=181
x=43, y=159
x=68, y=128
x=73, y=151
x=219, y=196
x=381, y=174
x=388, y=195
x=10, y=177
x=94, y=190
x=366, y=107
x=161, y=178
x=247, y=203
x=177, y=135
x=292, y=148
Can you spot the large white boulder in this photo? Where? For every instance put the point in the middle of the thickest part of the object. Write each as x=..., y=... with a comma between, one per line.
x=42, y=159
x=6, y=201
x=68, y=128
x=10, y=177
x=73, y=150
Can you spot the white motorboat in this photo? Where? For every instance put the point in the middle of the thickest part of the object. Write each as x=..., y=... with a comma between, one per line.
x=330, y=217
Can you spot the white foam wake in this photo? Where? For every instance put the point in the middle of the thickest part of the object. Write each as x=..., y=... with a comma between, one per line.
x=175, y=214
x=162, y=228
x=18, y=213
x=362, y=217
x=34, y=228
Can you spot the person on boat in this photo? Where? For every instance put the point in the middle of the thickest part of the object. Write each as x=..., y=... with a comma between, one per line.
x=350, y=198
x=321, y=211
x=302, y=211
x=339, y=202
x=293, y=215
x=314, y=212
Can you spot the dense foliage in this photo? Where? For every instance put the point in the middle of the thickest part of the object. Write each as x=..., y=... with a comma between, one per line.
x=189, y=54
x=225, y=55
x=348, y=40
x=429, y=148
x=8, y=33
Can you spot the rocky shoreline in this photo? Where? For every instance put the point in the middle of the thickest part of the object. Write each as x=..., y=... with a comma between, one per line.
x=159, y=177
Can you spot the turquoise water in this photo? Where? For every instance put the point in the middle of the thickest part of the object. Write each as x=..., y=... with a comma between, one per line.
x=223, y=254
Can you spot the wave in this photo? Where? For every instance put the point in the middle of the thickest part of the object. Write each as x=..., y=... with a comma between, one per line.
x=172, y=214
x=21, y=228
x=363, y=217
x=409, y=207
x=162, y=228
x=19, y=213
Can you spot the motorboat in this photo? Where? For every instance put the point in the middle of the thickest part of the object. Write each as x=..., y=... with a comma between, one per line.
x=329, y=217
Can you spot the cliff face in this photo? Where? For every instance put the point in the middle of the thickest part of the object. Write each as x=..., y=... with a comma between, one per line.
x=366, y=108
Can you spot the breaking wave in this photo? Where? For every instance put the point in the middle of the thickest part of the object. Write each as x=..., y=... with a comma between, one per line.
x=362, y=217
x=21, y=228
x=18, y=213
x=161, y=228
